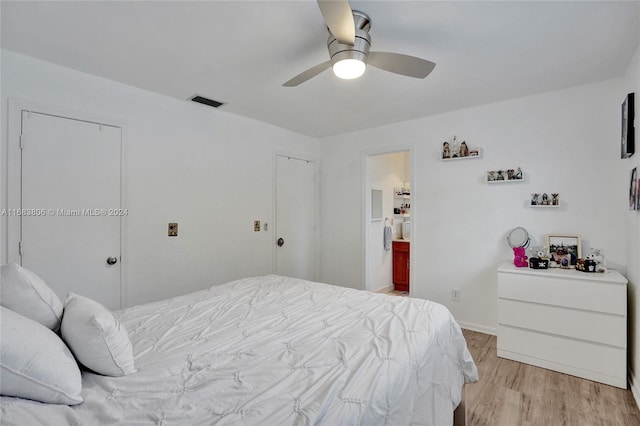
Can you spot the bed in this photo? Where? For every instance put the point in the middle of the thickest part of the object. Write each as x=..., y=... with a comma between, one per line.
x=274, y=350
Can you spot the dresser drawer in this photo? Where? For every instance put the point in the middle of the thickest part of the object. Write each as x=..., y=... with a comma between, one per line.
x=593, y=361
x=578, y=324
x=587, y=295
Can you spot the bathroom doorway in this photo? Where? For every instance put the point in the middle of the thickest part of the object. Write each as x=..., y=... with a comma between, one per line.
x=388, y=184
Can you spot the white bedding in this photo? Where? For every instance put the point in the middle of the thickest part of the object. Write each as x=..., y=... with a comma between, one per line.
x=276, y=351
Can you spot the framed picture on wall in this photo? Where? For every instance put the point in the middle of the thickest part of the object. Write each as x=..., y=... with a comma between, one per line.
x=633, y=189
x=564, y=250
x=628, y=137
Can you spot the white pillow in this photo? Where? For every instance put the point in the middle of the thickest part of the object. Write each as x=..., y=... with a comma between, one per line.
x=35, y=363
x=96, y=337
x=24, y=292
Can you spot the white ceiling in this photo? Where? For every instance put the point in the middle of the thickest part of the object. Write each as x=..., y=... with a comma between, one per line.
x=241, y=52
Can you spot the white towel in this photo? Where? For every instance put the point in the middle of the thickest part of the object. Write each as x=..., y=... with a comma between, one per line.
x=387, y=237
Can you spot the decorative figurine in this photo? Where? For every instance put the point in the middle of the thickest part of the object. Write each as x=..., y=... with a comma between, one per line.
x=598, y=258
x=554, y=199
x=500, y=175
x=464, y=151
x=537, y=251
x=539, y=260
x=445, y=150
x=491, y=176
x=455, y=148
x=520, y=257
x=545, y=199
x=534, y=199
x=510, y=173
x=518, y=173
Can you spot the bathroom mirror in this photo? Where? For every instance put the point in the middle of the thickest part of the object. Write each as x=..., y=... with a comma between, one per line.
x=376, y=204
x=518, y=237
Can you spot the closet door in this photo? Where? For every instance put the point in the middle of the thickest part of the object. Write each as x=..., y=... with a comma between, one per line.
x=296, y=239
x=71, y=186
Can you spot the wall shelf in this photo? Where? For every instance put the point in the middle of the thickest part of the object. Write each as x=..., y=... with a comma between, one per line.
x=468, y=157
x=486, y=179
x=542, y=206
x=508, y=175
x=543, y=201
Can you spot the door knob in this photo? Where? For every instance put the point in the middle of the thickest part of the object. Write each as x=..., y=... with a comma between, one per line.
x=112, y=260
x=280, y=242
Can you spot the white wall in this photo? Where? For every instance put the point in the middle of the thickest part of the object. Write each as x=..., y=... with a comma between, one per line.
x=566, y=141
x=387, y=172
x=210, y=171
x=632, y=230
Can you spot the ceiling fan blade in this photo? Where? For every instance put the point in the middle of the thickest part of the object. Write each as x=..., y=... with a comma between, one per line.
x=401, y=64
x=339, y=18
x=308, y=74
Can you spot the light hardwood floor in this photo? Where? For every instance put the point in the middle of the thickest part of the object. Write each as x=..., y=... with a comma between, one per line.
x=510, y=393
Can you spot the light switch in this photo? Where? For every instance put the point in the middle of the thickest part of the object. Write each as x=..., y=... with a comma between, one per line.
x=173, y=230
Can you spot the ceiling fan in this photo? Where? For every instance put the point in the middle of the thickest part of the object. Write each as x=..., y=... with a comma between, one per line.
x=349, y=43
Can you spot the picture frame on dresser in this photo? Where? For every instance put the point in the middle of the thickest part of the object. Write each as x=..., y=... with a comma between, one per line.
x=564, y=250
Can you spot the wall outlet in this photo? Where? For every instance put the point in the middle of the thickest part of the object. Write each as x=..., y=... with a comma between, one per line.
x=455, y=294
x=173, y=230
x=256, y=226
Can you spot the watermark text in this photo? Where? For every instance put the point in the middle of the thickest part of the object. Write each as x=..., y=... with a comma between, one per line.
x=64, y=212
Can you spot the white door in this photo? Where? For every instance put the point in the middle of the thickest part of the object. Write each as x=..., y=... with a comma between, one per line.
x=296, y=241
x=70, y=234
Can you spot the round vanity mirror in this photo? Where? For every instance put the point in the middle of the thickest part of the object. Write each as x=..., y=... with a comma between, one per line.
x=518, y=237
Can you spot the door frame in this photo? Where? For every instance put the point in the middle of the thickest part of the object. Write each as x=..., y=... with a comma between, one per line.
x=14, y=173
x=316, y=222
x=366, y=206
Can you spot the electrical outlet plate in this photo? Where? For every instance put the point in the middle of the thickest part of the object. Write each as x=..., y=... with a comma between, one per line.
x=173, y=230
x=256, y=226
x=455, y=294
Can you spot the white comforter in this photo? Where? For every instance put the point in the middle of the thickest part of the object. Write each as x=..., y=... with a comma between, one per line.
x=276, y=351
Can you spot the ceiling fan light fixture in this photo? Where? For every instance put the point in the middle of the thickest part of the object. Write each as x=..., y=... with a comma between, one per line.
x=349, y=69
x=349, y=52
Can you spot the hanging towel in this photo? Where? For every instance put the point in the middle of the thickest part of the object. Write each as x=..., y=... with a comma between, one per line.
x=387, y=237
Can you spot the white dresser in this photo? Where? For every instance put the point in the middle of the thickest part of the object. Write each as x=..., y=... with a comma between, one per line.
x=564, y=320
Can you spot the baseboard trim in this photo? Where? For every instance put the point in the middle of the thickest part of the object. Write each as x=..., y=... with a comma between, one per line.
x=635, y=387
x=479, y=328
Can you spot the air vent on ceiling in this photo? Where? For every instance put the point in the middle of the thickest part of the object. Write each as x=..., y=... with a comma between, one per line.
x=206, y=101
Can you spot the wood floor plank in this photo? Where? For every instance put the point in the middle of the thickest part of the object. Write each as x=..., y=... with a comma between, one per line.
x=510, y=393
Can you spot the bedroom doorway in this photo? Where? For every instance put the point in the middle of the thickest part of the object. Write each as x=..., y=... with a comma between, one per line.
x=387, y=257
x=296, y=205
x=70, y=181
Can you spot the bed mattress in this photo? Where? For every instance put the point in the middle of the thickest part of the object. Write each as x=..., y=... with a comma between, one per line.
x=276, y=351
